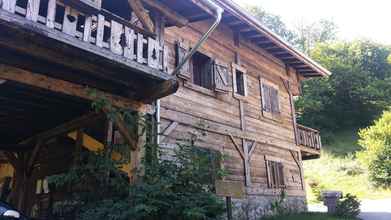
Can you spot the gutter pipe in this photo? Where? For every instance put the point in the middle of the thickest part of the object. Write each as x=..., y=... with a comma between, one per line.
x=218, y=15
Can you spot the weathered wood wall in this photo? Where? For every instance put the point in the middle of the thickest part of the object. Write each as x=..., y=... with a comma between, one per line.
x=219, y=114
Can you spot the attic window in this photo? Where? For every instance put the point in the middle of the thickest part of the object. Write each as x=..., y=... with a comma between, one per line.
x=201, y=66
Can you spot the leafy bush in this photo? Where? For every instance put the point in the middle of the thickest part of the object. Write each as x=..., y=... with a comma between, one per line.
x=317, y=188
x=348, y=207
x=376, y=141
x=179, y=187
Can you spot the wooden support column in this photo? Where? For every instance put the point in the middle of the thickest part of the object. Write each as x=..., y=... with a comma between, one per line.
x=245, y=150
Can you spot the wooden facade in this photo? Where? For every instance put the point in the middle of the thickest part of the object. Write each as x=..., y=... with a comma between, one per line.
x=238, y=88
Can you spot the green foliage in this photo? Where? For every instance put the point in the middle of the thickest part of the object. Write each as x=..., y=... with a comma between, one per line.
x=334, y=172
x=277, y=206
x=317, y=188
x=357, y=92
x=348, y=206
x=274, y=23
x=178, y=186
x=376, y=154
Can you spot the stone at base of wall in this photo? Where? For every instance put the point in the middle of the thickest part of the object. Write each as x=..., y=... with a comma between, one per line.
x=255, y=207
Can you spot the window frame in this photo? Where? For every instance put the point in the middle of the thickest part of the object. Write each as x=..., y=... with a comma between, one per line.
x=191, y=69
x=275, y=172
x=270, y=115
x=235, y=68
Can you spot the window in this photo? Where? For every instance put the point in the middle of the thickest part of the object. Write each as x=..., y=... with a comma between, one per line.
x=209, y=76
x=275, y=174
x=201, y=67
x=270, y=100
x=240, y=80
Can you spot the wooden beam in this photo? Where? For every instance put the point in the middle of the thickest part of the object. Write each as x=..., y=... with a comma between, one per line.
x=142, y=14
x=300, y=168
x=167, y=12
x=67, y=88
x=237, y=147
x=168, y=130
x=160, y=90
x=124, y=130
x=65, y=128
x=33, y=156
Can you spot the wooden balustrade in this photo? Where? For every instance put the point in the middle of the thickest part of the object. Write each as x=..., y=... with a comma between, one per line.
x=308, y=137
x=102, y=29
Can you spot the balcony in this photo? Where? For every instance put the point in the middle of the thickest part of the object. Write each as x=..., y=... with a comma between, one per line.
x=309, y=141
x=95, y=48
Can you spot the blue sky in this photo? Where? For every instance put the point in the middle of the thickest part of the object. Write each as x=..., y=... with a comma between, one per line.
x=355, y=18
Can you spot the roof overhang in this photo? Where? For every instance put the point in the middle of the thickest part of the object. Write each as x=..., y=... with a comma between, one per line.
x=252, y=30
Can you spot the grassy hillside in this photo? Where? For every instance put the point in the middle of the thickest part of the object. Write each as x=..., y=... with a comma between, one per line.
x=337, y=169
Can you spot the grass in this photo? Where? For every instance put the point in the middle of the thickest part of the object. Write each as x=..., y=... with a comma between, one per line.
x=307, y=216
x=338, y=169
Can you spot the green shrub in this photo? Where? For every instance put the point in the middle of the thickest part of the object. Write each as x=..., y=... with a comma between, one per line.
x=376, y=141
x=348, y=206
x=176, y=188
x=317, y=188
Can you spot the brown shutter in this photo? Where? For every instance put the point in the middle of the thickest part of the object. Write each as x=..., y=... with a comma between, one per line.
x=222, y=81
x=266, y=102
x=268, y=173
x=181, y=52
x=275, y=106
x=281, y=181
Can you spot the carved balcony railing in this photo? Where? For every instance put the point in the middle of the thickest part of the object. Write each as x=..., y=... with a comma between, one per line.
x=309, y=140
x=102, y=29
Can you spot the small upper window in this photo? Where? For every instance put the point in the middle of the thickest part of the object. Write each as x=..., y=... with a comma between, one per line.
x=202, y=69
x=240, y=81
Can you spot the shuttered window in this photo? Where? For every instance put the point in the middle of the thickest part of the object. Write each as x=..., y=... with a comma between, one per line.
x=270, y=100
x=275, y=174
x=201, y=66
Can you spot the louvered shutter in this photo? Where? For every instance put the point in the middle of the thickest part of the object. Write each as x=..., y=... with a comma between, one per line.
x=222, y=81
x=181, y=52
x=275, y=105
x=266, y=102
x=281, y=180
x=268, y=172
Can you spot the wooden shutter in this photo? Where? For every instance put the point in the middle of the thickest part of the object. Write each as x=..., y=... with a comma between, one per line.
x=266, y=102
x=281, y=181
x=181, y=52
x=268, y=173
x=221, y=77
x=274, y=101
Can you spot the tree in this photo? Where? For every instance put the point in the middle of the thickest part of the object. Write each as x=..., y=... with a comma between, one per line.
x=357, y=91
x=273, y=22
x=308, y=35
x=376, y=154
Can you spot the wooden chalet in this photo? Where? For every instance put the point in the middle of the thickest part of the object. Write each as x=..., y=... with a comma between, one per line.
x=238, y=86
